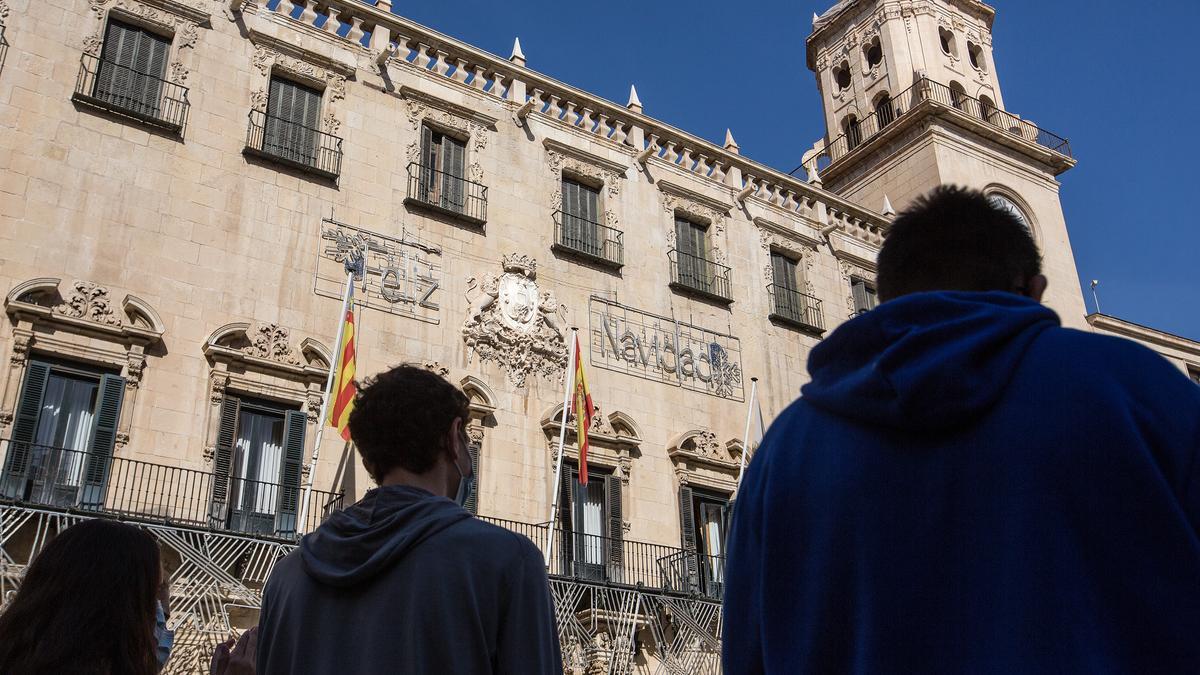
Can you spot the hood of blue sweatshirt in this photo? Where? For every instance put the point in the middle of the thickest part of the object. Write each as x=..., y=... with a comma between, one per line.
x=359, y=542
x=927, y=361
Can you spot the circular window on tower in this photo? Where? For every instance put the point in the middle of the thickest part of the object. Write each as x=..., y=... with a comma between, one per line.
x=1003, y=201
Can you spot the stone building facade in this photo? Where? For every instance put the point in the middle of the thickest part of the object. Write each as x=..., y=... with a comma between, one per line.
x=182, y=181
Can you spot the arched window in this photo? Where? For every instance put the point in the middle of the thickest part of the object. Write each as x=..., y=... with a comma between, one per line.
x=1006, y=203
x=975, y=54
x=873, y=52
x=841, y=76
x=949, y=44
x=987, y=109
x=884, y=112
x=958, y=95
x=852, y=131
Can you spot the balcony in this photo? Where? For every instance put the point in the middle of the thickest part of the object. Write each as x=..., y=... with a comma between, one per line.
x=622, y=562
x=446, y=193
x=124, y=91
x=700, y=276
x=77, y=481
x=926, y=94
x=295, y=145
x=3, y=48
x=796, y=309
x=588, y=239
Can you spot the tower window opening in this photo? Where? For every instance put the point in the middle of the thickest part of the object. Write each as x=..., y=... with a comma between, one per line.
x=873, y=52
x=841, y=75
x=885, y=113
x=987, y=109
x=958, y=96
x=853, y=132
x=948, y=43
x=975, y=54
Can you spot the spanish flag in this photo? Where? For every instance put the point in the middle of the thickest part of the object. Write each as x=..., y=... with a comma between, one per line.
x=343, y=384
x=582, y=407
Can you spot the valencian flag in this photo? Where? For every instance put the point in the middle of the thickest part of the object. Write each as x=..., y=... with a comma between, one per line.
x=343, y=384
x=582, y=407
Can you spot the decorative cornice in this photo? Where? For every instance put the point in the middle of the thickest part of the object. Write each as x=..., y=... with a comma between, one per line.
x=585, y=156
x=1112, y=324
x=463, y=112
x=315, y=60
x=678, y=190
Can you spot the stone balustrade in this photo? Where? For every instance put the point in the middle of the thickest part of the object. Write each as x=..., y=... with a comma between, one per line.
x=392, y=39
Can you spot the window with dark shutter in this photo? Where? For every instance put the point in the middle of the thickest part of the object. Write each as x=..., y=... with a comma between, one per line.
x=864, y=296
x=104, y=438
x=580, y=217
x=25, y=425
x=133, y=64
x=227, y=429
x=472, y=503
x=566, y=524
x=295, y=423
x=293, y=116
x=692, y=249
x=443, y=170
x=616, y=528
x=786, y=287
x=63, y=437
x=686, y=573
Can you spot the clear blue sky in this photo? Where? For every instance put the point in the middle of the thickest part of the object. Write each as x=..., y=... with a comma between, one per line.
x=1107, y=75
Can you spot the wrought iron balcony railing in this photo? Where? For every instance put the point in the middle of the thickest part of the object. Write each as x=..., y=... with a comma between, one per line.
x=120, y=89
x=589, y=239
x=75, y=480
x=3, y=47
x=447, y=193
x=926, y=90
x=799, y=309
x=700, y=275
x=588, y=557
x=294, y=144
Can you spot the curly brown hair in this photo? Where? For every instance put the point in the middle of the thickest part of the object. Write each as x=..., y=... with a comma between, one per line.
x=401, y=418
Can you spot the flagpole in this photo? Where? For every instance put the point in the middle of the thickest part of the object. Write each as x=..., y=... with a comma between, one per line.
x=329, y=380
x=556, y=488
x=746, y=435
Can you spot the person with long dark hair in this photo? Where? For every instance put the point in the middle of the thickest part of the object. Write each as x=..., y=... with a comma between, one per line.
x=86, y=606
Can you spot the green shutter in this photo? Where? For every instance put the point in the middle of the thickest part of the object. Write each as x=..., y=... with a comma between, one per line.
x=29, y=409
x=687, y=526
x=472, y=503
x=104, y=438
x=864, y=296
x=293, y=114
x=117, y=56
x=294, y=427
x=616, y=528
x=430, y=148
x=227, y=429
x=566, y=506
x=453, y=174
x=784, y=271
x=152, y=68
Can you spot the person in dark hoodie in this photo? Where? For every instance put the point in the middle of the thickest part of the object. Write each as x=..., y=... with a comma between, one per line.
x=965, y=486
x=406, y=580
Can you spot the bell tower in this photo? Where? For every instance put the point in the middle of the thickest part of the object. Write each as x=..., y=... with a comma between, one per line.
x=912, y=100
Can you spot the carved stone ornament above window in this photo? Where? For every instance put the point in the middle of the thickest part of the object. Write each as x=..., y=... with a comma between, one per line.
x=515, y=324
x=268, y=347
x=795, y=245
x=81, y=322
x=700, y=459
x=678, y=200
x=614, y=440
x=178, y=19
x=564, y=159
x=473, y=126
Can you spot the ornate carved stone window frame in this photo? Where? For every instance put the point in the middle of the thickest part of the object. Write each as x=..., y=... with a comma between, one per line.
x=566, y=161
x=260, y=361
x=854, y=268
x=83, y=325
x=272, y=56
x=678, y=200
x=614, y=441
x=467, y=125
x=177, y=20
x=703, y=461
x=794, y=244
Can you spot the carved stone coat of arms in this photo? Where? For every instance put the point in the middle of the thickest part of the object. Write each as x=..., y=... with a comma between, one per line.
x=516, y=324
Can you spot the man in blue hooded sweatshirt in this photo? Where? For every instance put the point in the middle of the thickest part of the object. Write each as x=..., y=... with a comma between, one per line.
x=406, y=581
x=967, y=487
